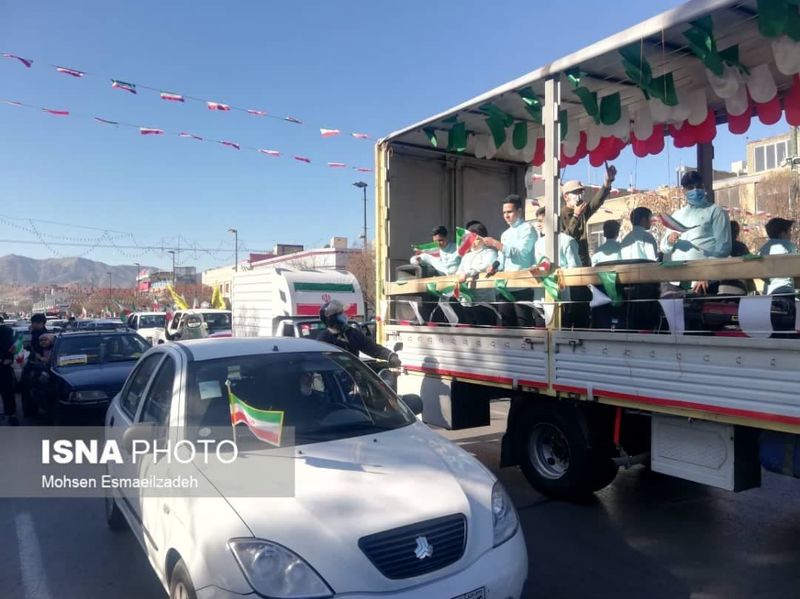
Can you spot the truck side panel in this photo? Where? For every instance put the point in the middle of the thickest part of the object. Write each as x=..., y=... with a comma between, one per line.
x=254, y=303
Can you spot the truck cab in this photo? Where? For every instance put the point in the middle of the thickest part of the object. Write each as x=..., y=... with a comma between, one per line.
x=150, y=325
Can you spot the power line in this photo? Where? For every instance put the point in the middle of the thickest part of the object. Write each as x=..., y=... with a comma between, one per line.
x=162, y=248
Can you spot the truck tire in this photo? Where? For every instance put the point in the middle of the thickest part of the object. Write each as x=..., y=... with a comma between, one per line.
x=180, y=583
x=555, y=456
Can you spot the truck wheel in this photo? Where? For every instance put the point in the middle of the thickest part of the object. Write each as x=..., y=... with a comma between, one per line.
x=556, y=458
x=180, y=583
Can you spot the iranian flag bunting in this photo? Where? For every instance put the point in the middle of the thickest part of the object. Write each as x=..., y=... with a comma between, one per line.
x=672, y=224
x=24, y=61
x=230, y=144
x=105, y=121
x=218, y=106
x=337, y=165
x=70, y=72
x=190, y=135
x=291, y=119
x=274, y=153
x=266, y=425
x=302, y=159
x=256, y=112
x=150, y=131
x=171, y=97
x=464, y=240
x=360, y=135
x=128, y=87
x=329, y=132
x=363, y=169
x=56, y=112
x=12, y=102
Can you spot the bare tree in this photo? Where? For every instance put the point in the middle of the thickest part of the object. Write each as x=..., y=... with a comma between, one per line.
x=776, y=196
x=362, y=265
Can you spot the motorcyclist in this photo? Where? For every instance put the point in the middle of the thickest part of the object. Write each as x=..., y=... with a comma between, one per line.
x=339, y=333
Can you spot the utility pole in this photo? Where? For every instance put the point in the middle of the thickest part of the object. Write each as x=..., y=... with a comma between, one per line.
x=173, y=265
x=363, y=187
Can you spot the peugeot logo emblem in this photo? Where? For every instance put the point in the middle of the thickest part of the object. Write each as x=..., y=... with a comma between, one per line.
x=424, y=549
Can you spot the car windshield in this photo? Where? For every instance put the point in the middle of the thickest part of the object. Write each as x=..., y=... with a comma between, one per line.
x=152, y=321
x=297, y=398
x=97, y=349
x=217, y=321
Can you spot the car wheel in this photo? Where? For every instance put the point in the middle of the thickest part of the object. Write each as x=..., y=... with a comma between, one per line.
x=114, y=516
x=180, y=584
x=555, y=457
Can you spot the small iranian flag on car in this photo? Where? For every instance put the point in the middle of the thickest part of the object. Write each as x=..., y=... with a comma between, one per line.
x=266, y=425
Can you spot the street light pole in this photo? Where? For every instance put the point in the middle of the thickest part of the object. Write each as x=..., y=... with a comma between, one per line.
x=236, y=249
x=363, y=187
x=136, y=279
x=109, y=280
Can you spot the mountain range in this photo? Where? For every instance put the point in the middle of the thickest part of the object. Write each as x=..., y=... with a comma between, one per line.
x=21, y=270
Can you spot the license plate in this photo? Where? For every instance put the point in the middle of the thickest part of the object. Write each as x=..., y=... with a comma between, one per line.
x=476, y=594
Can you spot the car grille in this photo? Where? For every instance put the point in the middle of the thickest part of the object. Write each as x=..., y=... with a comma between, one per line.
x=394, y=552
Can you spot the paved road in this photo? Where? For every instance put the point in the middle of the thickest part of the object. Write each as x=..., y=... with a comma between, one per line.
x=646, y=536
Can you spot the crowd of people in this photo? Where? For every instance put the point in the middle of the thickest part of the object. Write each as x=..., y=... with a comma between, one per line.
x=699, y=230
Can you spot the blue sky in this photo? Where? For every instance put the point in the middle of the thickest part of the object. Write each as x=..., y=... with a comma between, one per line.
x=354, y=65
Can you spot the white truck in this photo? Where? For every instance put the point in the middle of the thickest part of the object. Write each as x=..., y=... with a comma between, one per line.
x=150, y=325
x=708, y=406
x=284, y=302
x=199, y=322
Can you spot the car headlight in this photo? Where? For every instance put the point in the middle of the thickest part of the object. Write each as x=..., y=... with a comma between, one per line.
x=88, y=395
x=275, y=571
x=503, y=514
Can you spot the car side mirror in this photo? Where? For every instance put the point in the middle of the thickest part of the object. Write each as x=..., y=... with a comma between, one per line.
x=141, y=431
x=414, y=403
x=398, y=347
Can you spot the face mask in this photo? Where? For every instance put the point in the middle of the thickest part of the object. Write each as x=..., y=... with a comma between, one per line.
x=696, y=197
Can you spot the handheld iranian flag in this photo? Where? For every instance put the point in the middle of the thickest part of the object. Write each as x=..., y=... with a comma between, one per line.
x=672, y=224
x=431, y=248
x=266, y=425
x=18, y=345
x=464, y=240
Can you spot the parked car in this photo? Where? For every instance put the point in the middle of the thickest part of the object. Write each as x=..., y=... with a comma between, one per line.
x=85, y=370
x=382, y=506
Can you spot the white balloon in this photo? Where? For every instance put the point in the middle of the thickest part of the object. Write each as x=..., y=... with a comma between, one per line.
x=442, y=139
x=491, y=149
x=698, y=106
x=679, y=112
x=738, y=103
x=534, y=132
x=572, y=139
x=726, y=85
x=481, y=146
x=643, y=123
x=622, y=128
x=761, y=84
x=659, y=111
x=787, y=55
x=593, y=136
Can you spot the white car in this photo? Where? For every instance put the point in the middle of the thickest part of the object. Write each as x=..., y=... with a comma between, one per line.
x=382, y=506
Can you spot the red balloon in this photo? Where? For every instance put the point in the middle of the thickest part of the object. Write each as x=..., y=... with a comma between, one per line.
x=769, y=113
x=616, y=146
x=791, y=103
x=682, y=136
x=597, y=157
x=738, y=124
x=655, y=143
x=707, y=130
x=639, y=146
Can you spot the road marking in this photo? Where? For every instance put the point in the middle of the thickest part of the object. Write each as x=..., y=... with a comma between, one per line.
x=34, y=580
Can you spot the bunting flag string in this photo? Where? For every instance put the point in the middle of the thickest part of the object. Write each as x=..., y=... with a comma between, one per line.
x=155, y=131
x=133, y=88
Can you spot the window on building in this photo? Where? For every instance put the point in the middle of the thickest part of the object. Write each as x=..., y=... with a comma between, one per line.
x=770, y=156
x=780, y=153
x=759, y=159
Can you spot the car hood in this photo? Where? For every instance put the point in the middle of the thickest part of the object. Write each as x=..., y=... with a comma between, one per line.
x=350, y=488
x=108, y=377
